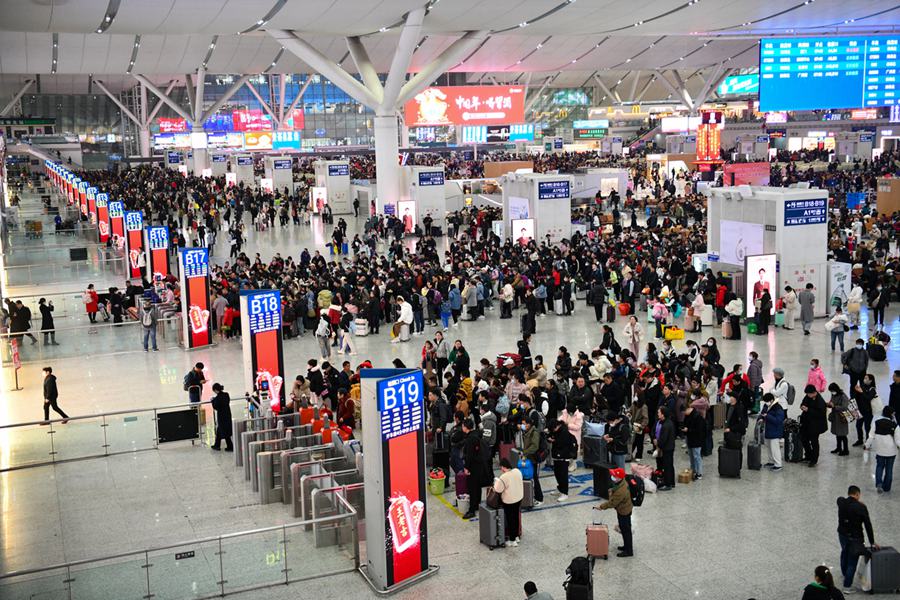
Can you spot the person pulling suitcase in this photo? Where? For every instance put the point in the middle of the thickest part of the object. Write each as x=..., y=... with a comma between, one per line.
x=620, y=499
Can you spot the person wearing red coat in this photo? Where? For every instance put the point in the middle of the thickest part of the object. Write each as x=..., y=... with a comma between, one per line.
x=91, y=303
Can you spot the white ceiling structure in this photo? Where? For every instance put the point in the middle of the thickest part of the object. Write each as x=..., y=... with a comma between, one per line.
x=569, y=41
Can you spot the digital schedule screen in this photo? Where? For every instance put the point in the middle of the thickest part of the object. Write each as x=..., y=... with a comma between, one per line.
x=552, y=190
x=431, y=178
x=338, y=170
x=284, y=163
x=834, y=72
x=400, y=404
x=264, y=310
x=196, y=262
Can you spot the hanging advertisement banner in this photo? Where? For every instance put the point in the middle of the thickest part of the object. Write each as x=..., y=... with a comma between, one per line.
x=134, y=243
x=261, y=340
x=467, y=105
x=156, y=242
x=101, y=206
x=193, y=267
x=394, y=438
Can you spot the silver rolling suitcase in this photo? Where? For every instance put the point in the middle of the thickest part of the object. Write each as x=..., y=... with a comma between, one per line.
x=491, y=526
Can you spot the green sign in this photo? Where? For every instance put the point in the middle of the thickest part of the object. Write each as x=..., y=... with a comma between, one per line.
x=739, y=85
x=26, y=121
x=593, y=133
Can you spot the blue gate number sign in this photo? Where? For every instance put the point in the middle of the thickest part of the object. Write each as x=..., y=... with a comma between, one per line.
x=400, y=402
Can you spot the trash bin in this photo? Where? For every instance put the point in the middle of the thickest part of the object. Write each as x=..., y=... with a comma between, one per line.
x=436, y=481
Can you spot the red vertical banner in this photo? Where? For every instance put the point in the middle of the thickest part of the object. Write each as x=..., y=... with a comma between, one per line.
x=101, y=206
x=193, y=264
x=156, y=241
x=91, y=194
x=82, y=197
x=261, y=338
x=134, y=242
x=117, y=223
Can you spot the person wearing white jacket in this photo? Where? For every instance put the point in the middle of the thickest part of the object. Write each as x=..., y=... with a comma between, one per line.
x=854, y=303
x=634, y=335
x=735, y=308
x=791, y=306
x=884, y=439
x=404, y=320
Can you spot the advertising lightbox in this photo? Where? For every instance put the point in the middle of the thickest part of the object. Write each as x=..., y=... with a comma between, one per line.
x=760, y=271
x=467, y=105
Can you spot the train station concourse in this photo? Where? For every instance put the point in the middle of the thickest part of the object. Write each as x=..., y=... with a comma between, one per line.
x=537, y=299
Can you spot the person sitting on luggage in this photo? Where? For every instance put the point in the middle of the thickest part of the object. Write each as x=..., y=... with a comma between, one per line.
x=823, y=587
x=511, y=489
x=620, y=499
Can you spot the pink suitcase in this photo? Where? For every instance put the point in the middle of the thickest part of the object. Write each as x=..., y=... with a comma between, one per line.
x=597, y=541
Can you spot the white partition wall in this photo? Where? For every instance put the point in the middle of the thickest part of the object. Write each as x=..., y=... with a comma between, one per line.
x=218, y=163
x=280, y=170
x=425, y=187
x=790, y=223
x=242, y=167
x=334, y=176
x=545, y=199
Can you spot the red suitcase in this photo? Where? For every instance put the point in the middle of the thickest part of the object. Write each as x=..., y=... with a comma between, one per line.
x=462, y=484
x=307, y=415
x=505, y=449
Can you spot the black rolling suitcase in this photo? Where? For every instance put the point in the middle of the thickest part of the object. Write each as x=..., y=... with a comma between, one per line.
x=579, y=584
x=730, y=462
x=885, y=566
x=793, y=447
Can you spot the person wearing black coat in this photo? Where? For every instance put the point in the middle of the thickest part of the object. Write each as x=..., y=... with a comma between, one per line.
x=47, y=326
x=525, y=353
x=813, y=423
x=221, y=404
x=597, y=298
x=665, y=446
x=316, y=379
x=373, y=313
x=694, y=427
x=51, y=395
x=613, y=395
x=582, y=396
x=563, y=448
x=735, y=421
x=474, y=465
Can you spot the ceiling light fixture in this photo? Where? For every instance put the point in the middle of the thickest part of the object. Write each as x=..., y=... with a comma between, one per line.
x=523, y=24
x=111, y=11
x=539, y=46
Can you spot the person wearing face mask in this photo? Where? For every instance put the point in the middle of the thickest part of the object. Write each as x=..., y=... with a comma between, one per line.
x=864, y=392
x=855, y=362
x=813, y=423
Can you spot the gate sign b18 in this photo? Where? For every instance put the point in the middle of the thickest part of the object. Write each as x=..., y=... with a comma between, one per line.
x=805, y=212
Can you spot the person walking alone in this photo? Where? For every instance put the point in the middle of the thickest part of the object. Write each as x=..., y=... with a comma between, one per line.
x=149, y=319
x=221, y=404
x=51, y=395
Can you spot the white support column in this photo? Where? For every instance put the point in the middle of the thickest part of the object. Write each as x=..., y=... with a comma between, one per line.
x=165, y=98
x=117, y=102
x=712, y=83
x=198, y=95
x=530, y=103
x=387, y=166
x=634, y=82
x=684, y=91
x=282, y=89
x=406, y=47
x=671, y=87
x=265, y=106
x=324, y=65
x=447, y=59
x=159, y=103
x=15, y=99
x=527, y=84
x=612, y=95
x=364, y=65
x=189, y=91
x=298, y=97
x=226, y=97
x=644, y=89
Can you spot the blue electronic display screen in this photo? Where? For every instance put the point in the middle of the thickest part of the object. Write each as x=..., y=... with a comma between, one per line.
x=338, y=170
x=400, y=404
x=282, y=163
x=431, y=178
x=553, y=190
x=264, y=310
x=134, y=220
x=805, y=212
x=245, y=161
x=834, y=72
x=158, y=237
x=195, y=262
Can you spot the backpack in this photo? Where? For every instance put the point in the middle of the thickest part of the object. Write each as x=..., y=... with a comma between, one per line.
x=147, y=318
x=543, y=450
x=636, y=489
x=791, y=394
x=187, y=381
x=437, y=299
x=86, y=297
x=579, y=572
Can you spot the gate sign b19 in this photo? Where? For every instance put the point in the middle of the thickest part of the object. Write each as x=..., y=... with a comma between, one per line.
x=400, y=404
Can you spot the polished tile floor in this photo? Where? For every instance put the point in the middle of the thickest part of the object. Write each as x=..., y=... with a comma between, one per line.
x=757, y=537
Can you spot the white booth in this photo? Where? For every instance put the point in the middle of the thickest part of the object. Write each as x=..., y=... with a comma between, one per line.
x=681, y=144
x=852, y=145
x=752, y=147
x=424, y=189
x=790, y=223
x=280, y=170
x=604, y=180
x=242, y=167
x=535, y=206
x=174, y=159
x=334, y=177
x=199, y=156
x=218, y=164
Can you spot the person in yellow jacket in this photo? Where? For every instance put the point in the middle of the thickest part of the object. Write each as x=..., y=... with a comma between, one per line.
x=620, y=499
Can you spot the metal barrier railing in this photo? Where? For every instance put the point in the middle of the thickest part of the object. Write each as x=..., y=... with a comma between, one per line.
x=206, y=568
x=39, y=443
x=96, y=339
x=36, y=274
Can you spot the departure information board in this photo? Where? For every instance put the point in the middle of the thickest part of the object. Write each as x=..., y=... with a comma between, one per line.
x=834, y=72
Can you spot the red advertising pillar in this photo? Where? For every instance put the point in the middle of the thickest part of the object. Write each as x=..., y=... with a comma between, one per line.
x=156, y=241
x=117, y=223
x=262, y=344
x=101, y=201
x=134, y=242
x=193, y=266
